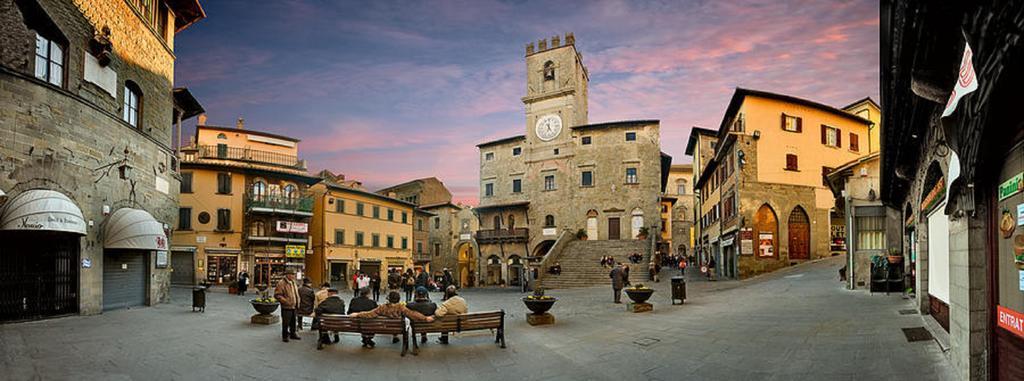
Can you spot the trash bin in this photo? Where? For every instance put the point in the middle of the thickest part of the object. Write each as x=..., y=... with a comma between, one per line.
x=199, y=299
x=678, y=289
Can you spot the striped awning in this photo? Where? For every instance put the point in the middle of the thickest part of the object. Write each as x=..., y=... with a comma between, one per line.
x=129, y=228
x=42, y=209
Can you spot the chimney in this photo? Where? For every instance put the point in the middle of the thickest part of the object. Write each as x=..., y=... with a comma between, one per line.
x=202, y=120
x=240, y=124
x=542, y=45
x=555, y=41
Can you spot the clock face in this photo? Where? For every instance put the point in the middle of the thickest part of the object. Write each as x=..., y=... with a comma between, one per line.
x=548, y=127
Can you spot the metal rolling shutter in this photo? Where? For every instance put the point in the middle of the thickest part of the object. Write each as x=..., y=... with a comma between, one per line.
x=124, y=286
x=184, y=268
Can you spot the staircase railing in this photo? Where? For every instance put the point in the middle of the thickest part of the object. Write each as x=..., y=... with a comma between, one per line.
x=553, y=255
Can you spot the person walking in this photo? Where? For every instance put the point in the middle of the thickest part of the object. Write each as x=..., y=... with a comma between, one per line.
x=617, y=282
x=331, y=304
x=375, y=286
x=711, y=268
x=453, y=304
x=307, y=300
x=287, y=293
x=625, y=274
x=408, y=284
x=652, y=269
x=243, y=282
x=363, y=303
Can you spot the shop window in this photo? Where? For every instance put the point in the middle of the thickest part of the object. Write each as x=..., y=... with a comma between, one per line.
x=871, y=233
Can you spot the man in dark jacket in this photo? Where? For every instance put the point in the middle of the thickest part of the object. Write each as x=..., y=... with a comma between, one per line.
x=394, y=280
x=332, y=305
x=307, y=297
x=423, y=305
x=618, y=282
x=422, y=279
x=363, y=303
x=375, y=286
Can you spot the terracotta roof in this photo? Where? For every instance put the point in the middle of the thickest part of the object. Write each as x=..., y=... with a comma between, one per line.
x=741, y=93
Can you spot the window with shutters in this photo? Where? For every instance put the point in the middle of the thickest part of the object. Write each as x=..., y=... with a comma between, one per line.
x=223, y=219
x=184, y=218
x=792, y=123
x=405, y=243
x=391, y=214
x=360, y=209
x=854, y=142
x=376, y=240
x=376, y=211
x=360, y=241
x=224, y=183
x=791, y=163
x=824, y=175
x=419, y=247
x=339, y=205
x=391, y=242
x=831, y=136
x=186, y=182
x=339, y=236
x=405, y=217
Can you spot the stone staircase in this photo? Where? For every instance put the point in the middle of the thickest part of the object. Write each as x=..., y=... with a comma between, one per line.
x=581, y=263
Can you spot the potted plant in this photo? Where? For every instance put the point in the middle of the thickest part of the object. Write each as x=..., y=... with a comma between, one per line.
x=233, y=287
x=895, y=256
x=581, y=235
x=643, y=233
x=639, y=293
x=538, y=303
x=264, y=304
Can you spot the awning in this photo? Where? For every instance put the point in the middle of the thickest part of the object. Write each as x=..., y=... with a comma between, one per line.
x=129, y=228
x=42, y=209
x=184, y=248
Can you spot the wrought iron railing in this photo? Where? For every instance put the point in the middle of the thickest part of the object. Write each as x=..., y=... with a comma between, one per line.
x=242, y=154
x=302, y=202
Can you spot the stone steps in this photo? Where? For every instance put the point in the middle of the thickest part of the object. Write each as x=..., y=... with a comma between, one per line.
x=581, y=263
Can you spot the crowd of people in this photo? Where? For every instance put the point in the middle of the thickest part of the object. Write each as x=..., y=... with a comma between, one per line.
x=299, y=301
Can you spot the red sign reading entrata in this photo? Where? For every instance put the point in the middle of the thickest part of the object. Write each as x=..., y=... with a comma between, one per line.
x=1010, y=320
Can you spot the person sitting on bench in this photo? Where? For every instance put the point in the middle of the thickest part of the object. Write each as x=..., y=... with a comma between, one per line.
x=393, y=309
x=333, y=304
x=453, y=304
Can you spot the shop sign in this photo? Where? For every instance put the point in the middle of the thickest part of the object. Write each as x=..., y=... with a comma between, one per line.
x=200, y=239
x=295, y=251
x=766, y=247
x=1020, y=214
x=1021, y=275
x=161, y=259
x=934, y=196
x=746, y=242
x=465, y=236
x=1010, y=320
x=1011, y=187
x=86, y=263
x=966, y=82
x=292, y=227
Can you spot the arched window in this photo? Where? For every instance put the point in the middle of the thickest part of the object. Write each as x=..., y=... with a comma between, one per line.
x=51, y=45
x=132, y=109
x=259, y=190
x=497, y=222
x=549, y=221
x=290, y=192
x=221, y=136
x=511, y=222
x=549, y=71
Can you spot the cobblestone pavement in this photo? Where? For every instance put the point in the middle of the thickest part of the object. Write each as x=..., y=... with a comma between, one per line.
x=795, y=324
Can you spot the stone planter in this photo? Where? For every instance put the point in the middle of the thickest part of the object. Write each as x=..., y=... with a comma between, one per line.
x=539, y=306
x=639, y=295
x=264, y=308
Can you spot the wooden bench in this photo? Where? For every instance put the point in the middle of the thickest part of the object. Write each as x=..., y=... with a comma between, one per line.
x=460, y=323
x=378, y=326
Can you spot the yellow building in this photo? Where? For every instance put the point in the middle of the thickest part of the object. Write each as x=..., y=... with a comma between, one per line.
x=867, y=108
x=764, y=200
x=244, y=206
x=355, y=230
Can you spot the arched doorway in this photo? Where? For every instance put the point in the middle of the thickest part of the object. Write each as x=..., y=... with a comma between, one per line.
x=767, y=226
x=467, y=265
x=494, y=270
x=542, y=248
x=497, y=222
x=592, y=224
x=636, y=222
x=799, y=234
x=515, y=270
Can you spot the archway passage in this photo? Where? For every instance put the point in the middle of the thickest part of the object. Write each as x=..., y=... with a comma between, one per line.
x=799, y=234
x=542, y=248
x=494, y=271
x=467, y=266
x=767, y=229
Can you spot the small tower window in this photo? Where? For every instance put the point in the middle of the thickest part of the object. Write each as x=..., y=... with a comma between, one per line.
x=132, y=104
x=549, y=71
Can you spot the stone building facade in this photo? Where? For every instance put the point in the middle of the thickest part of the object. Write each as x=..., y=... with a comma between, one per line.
x=764, y=202
x=680, y=188
x=449, y=230
x=85, y=151
x=564, y=176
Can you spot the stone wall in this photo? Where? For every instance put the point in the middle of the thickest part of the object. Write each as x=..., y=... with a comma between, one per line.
x=56, y=137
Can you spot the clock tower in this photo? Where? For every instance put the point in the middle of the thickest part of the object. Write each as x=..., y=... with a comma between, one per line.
x=556, y=92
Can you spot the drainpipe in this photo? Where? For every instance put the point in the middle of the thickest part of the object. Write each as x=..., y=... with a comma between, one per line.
x=850, y=233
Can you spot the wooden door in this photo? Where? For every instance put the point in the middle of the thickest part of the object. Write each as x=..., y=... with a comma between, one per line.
x=799, y=234
x=613, y=228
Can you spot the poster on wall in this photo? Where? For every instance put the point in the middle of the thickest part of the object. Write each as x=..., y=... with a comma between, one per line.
x=161, y=259
x=746, y=242
x=766, y=247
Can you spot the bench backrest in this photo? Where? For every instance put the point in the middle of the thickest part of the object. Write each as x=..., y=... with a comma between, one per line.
x=466, y=322
x=345, y=323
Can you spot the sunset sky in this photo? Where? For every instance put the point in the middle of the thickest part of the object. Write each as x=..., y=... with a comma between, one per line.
x=386, y=92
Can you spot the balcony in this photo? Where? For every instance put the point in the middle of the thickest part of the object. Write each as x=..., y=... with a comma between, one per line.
x=300, y=205
x=503, y=235
x=421, y=257
x=252, y=156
